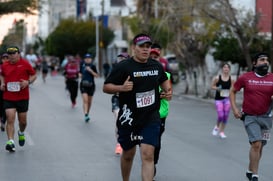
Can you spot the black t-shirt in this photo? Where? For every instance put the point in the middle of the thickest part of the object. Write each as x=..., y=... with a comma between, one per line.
x=87, y=75
x=225, y=85
x=141, y=105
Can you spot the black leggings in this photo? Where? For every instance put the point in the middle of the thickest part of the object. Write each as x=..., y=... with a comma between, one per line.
x=72, y=87
x=157, y=149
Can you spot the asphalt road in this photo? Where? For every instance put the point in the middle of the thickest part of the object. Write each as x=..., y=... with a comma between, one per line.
x=62, y=147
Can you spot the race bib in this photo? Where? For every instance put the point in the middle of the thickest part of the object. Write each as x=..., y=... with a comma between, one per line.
x=224, y=93
x=13, y=86
x=266, y=135
x=145, y=99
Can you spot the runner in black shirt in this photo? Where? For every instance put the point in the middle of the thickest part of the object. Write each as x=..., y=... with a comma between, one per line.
x=137, y=81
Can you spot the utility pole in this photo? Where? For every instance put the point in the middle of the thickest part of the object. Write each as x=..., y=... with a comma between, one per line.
x=101, y=45
x=156, y=8
x=97, y=40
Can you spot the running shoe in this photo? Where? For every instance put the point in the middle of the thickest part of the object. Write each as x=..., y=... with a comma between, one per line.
x=10, y=146
x=222, y=135
x=21, y=139
x=118, y=150
x=254, y=178
x=215, y=131
x=86, y=118
x=249, y=175
x=73, y=105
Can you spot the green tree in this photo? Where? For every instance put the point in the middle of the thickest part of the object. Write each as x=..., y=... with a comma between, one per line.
x=242, y=24
x=187, y=32
x=39, y=45
x=228, y=49
x=15, y=35
x=195, y=23
x=158, y=31
x=18, y=6
x=72, y=37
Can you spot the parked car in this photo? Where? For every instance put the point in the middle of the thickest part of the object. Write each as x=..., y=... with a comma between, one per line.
x=173, y=67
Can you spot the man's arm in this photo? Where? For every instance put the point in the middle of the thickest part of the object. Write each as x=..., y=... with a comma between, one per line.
x=25, y=83
x=112, y=88
x=167, y=90
x=232, y=96
x=32, y=78
x=2, y=86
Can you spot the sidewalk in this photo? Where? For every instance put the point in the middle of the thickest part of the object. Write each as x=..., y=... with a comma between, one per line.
x=179, y=89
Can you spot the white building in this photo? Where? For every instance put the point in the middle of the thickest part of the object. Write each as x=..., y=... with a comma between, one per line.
x=7, y=22
x=110, y=7
x=52, y=13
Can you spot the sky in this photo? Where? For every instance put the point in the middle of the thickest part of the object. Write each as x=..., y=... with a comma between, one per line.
x=244, y=3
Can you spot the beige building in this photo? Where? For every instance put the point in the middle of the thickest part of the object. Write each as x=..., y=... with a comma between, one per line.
x=52, y=12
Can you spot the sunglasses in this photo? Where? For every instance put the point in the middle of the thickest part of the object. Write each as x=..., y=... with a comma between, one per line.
x=11, y=53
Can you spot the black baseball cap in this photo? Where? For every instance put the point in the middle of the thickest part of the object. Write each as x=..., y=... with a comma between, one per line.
x=124, y=54
x=87, y=55
x=156, y=45
x=260, y=55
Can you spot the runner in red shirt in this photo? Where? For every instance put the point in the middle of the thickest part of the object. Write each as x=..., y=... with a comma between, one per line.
x=256, y=110
x=71, y=73
x=162, y=60
x=17, y=75
x=4, y=58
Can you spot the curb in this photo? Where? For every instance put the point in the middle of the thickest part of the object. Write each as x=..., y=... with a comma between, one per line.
x=239, y=98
